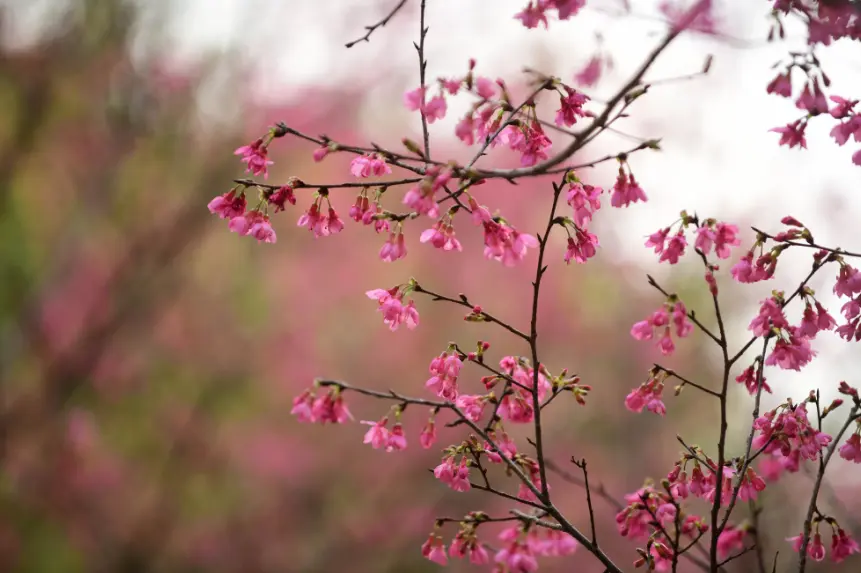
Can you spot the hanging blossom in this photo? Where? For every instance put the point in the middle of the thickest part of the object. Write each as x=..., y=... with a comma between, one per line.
x=517, y=405
x=748, y=377
x=328, y=407
x=787, y=429
x=455, y=475
x=648, y=396
x=255, y=156
x=421, y=197
x=502, y=242
x=433, y=109
x=584, y=199
x=527, y=138
x=372, y=164
x=626, y=190
x=444, y=370
x=571, y=107
x=395, y=247
x=321, y=223
x=842, y=544
x=848, y=285
x=535, y=12
x=395, y=313
x=442, y=236
x=380, y=437
x=252, y=223
x=672, y=315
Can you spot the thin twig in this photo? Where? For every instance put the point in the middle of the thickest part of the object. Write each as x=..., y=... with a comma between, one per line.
x=370, y=29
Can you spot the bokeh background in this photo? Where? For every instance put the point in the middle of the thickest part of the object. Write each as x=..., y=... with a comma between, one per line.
x=148, y=358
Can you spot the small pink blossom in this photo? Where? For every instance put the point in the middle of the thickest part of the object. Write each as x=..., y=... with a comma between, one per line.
x=781, y=85
x=229, y=205
x=731, y=539
x=626, y=190
x=842, y=546
x=590, y=73
x=255, y=158
x=394, y=248
x=428, y=436
x=369, y=165
x=378, y=434
x=585, y=200
x=434, y=550
x=394, y=311
x=792, y=134
x=581, y=247
x=851, y=449
x=571, y=107
x=675, y=248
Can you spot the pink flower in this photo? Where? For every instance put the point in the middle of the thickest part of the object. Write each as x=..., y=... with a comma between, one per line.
x=414, y=99
x=792, y=134
x=842, y=108
x=751, y=485
x=361, y=206
x=626, y=190
x=571, y=107
x=262, y=231
x=485, y=88
x=242, y=225
x=368, y=165
x=590, y=73
x=680, y=319
x=848, y=281
x=441, y=236
x=532, y=15
x=394, y=248
x=454, y=476
x=568, y=8
x=730, y=539
x=472, y=406
x=228, y=206
x=842, y=546
x=812, y=100
x=748, y=378
x=770, y=316
x=815, y=549
x=255, y=158
x=851, y=450
x=445, y=369
x=320, y=153
x=378, y=435
x=505, y=243
x=658, y=239
x=585, y=200
x=394, y=311
x=434, y=550
x=517, y=558
x=675, y=248
x=791, y=352
x=302, y=407
x=428, y=436
x=435, y=109
x=278, y=198
x=648, y=397
x=581, y=247
x=330, y=408
x=397, y=440
x=465, y=129
x=781, y=85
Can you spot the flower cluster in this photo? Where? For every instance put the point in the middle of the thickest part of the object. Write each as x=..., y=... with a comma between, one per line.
x=672, y=316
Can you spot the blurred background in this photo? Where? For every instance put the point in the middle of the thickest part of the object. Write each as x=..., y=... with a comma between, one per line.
x=148, y=357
